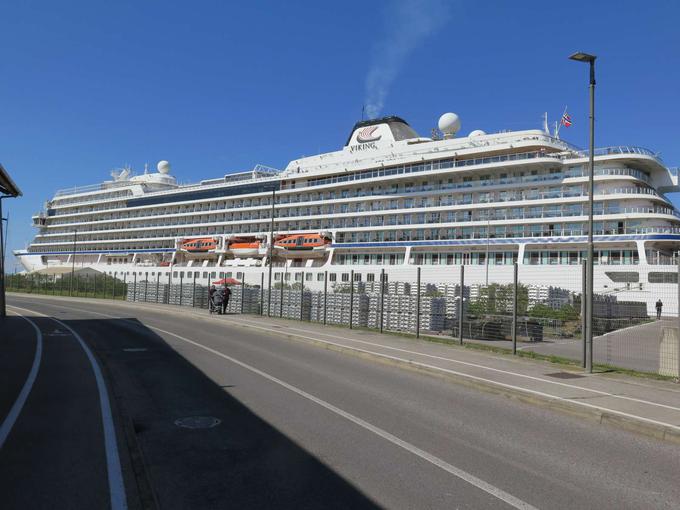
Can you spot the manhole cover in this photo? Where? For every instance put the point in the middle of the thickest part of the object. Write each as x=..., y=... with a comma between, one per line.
x=565, y=375
x=198, y=422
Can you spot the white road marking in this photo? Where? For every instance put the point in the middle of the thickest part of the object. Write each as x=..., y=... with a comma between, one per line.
x=18, y=405
x=463, y=374
x=113, y=468
x=467, y=363
x=449, y=468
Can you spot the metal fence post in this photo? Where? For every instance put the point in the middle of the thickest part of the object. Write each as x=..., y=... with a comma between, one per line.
x=325, y=296
x=583, y=313
x=181, y=286
x=514, y=309
x=125, y=287
x=269, y=293
x=243, y=291
x=461, y=305
x=167, y=294
x=262, y=293
x=146, y=286
x=302, y=295
x=193, y=293
x=134, y=290
x=281, y=300
x=158, y=284
x=382, y=298
x=418, y=302
x=351, y=297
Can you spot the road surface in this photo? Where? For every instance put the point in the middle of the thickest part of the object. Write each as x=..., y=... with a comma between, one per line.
x=299, y=427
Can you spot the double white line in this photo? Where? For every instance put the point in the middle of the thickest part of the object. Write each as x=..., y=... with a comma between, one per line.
x=113, y=467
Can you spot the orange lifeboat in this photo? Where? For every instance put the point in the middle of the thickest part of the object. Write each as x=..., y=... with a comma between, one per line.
x=199, y=245
x=245, y=247
x=302, y=245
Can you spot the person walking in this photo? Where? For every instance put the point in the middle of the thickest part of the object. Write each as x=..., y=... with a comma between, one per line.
x=659, y=306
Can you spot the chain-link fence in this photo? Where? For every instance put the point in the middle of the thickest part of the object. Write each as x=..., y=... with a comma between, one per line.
x=498, y=306
x=94, y=285
x=536, y=309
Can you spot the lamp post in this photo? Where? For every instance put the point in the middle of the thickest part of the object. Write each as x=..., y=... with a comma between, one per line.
x=590, y=59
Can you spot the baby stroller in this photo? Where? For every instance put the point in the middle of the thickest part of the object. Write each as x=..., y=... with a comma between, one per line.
x=215, y=301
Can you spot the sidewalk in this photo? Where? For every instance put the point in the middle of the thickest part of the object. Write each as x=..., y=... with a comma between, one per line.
x=647, y=406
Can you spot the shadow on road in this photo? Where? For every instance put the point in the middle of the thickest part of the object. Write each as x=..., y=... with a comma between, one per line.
x=243, y=462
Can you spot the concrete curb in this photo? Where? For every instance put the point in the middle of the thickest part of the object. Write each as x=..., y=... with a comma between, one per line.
x=601, y=417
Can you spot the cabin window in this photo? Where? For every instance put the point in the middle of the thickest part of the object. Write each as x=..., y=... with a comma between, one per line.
x=332, y=277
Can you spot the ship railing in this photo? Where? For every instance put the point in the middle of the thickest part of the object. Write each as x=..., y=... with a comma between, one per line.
x=619, y=149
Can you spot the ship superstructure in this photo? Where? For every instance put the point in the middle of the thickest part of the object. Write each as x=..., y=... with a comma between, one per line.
x=389, y=199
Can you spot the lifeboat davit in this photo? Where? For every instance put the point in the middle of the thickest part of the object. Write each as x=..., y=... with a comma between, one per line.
x=245, y=247
x=302, y=245
x=199, y=245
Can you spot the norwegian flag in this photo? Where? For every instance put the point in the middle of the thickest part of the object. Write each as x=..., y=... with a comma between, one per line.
x=566, y=120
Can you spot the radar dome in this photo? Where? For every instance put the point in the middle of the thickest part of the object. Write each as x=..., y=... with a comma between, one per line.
x=476, y=132
x=449, y=123
x=163, y=167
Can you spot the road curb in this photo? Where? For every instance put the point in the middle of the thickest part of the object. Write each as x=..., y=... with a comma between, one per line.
x=652, y=430
x=601, y=417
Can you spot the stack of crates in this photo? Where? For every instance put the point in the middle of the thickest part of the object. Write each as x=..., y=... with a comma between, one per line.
x=291, y=303
x=184, y=295
x=338, y=308
x=251, y=300
x=400, y=312
x=155, y=293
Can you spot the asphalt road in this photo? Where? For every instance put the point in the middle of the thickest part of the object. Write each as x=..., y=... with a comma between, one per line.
x=300, y=427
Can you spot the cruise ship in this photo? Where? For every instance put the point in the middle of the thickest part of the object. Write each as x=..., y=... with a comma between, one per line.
x=389, y=199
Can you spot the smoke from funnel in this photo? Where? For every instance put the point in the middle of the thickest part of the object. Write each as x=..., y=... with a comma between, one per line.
x=408, y=23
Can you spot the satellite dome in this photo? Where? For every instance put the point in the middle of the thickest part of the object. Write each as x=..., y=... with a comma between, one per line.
x=449, y=124
x=163, y=167
x=476, y=132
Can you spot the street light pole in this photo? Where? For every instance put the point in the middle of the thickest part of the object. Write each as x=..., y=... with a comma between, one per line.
x=271, y=254
x=3, y=311
x=590, y=59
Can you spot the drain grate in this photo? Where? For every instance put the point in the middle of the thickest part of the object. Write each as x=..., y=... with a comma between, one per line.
x=198, y=422
x=565, y=375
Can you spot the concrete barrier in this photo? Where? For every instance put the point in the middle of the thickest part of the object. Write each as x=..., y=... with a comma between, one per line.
x=669, y=357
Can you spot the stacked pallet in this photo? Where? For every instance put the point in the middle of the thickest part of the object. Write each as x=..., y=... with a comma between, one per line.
x=337, y=308
x=400, y=313
x=251, y=300
x=184, y=295
x=287, y=303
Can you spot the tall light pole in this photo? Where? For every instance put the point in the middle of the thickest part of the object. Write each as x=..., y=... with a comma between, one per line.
x=271, y=254
x=590, y=59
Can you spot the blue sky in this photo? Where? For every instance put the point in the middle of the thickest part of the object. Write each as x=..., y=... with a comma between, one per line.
x=214, y=86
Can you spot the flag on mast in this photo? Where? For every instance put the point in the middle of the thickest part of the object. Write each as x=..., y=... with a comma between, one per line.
x=566, y=119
